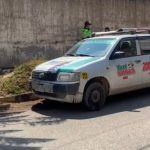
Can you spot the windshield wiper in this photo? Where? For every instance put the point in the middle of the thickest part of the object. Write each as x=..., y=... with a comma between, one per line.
x=80, y=55
x=84, y=55
x=70, y=55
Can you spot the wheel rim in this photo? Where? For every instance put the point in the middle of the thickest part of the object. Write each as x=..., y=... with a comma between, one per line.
x=95, y=96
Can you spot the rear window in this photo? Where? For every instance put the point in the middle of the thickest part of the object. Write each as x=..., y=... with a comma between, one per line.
x=145, y=46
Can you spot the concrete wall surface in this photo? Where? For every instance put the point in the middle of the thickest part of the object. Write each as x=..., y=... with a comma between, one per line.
x=30, y=28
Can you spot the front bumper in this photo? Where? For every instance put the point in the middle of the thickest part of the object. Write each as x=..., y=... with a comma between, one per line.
x=64, y=92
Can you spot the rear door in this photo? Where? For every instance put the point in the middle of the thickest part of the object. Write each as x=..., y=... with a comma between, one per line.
x=144, y=44
x=125, y=71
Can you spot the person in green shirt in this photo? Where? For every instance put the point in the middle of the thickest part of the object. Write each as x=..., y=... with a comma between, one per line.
x=86, y=31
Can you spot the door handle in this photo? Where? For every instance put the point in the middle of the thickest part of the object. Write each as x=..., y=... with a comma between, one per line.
x=137, y=61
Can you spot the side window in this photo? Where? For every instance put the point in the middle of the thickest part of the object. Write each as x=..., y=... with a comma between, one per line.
x=125, y=48
x=145, y=46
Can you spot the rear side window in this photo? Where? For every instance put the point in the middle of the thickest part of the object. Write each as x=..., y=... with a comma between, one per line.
x=145, y=46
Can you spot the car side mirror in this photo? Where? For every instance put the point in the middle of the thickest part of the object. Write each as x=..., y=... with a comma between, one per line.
x=118, y=54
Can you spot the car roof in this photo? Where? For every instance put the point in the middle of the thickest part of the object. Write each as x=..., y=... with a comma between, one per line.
x=120, y=36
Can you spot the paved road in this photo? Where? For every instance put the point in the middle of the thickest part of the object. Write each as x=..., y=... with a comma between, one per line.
x=124, y=124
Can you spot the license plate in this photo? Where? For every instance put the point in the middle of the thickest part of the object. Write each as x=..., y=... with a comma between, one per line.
x=42, y=87
x=48, y=88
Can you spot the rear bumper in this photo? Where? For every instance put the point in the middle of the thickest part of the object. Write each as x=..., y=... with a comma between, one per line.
x=62, y=92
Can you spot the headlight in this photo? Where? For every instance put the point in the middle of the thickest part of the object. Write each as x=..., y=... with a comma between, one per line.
x=68, y=77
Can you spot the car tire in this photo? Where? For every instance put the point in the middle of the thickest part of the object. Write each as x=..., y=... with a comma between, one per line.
x=94, y=96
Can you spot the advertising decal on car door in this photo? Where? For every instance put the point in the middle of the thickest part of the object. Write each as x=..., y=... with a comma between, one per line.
x=125, y=70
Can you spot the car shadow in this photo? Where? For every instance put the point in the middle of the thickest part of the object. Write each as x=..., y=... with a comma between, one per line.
x=131, y=101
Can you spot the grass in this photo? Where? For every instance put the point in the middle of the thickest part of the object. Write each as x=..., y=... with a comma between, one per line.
x=18, y=81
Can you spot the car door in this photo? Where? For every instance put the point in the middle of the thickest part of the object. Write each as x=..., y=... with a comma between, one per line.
x=125, y=66
x=144, y=44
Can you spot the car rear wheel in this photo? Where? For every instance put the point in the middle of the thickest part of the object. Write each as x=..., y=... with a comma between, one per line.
x=94, y=96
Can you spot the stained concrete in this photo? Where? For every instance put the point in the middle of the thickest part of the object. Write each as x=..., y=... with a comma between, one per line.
x=47, y=28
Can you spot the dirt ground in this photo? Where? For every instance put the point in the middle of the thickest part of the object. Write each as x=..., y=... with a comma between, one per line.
x=16, y=107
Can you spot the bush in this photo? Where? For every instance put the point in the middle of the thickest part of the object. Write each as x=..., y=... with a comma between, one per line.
x=18, y=81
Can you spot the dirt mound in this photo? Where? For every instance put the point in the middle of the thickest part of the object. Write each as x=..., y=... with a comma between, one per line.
x=18, y=81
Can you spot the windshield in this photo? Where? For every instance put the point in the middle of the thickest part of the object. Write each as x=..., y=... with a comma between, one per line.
x=91, y=47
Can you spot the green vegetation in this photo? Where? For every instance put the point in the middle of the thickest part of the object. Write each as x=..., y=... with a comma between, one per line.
x=18, y=81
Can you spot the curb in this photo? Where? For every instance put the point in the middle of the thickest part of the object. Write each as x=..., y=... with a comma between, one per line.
x=18, y=98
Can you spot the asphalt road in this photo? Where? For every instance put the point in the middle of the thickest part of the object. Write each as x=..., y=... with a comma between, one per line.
x=124, y=124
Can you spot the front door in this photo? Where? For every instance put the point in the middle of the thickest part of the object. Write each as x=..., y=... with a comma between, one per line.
x=125, y=66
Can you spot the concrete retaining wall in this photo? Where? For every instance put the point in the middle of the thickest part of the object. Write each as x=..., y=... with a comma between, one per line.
x=30, y=28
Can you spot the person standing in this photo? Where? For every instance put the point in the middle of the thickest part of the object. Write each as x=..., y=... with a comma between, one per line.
x=86, y=31
x=107, y=29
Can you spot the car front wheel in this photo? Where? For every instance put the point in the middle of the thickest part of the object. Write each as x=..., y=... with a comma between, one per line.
x=94, y=96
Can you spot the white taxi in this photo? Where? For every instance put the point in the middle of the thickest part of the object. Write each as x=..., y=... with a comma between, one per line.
x=94, y=69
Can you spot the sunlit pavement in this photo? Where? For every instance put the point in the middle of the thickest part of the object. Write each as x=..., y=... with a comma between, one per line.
x=124, y=124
